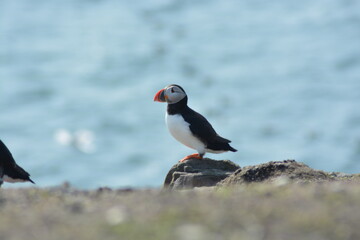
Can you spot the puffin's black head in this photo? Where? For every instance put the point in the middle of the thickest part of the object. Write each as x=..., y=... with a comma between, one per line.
x=170, y=94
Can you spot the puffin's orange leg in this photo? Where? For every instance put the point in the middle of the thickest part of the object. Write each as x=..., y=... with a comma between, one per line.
x=195, y=155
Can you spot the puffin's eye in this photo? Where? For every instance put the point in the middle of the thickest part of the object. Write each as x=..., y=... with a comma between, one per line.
x=172, y=90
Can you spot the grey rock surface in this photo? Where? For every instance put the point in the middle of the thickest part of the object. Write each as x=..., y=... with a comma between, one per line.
x=199, y=173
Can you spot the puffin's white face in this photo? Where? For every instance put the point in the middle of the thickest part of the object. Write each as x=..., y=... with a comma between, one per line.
x=170, y=94
x=174, y=94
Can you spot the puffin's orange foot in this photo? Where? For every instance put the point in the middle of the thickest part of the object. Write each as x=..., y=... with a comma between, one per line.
x=195, y=155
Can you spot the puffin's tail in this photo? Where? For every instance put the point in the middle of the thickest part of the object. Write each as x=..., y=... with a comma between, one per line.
x=19, y=174
x=221, y=144
x=31, y=181
x=232, y=149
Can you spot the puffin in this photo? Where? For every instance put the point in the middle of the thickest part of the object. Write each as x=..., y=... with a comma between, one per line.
x=188, y=126
x=9, y=170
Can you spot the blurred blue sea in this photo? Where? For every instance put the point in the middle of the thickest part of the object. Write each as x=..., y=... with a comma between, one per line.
x=280, y=78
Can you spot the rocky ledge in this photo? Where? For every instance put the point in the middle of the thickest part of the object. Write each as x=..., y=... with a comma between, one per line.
x=207, y=172
x=264, y=202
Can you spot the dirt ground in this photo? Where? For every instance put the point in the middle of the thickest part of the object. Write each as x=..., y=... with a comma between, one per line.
x=279, y=210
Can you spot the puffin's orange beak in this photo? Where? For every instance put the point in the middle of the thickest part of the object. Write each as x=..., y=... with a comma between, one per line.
x=160, y=96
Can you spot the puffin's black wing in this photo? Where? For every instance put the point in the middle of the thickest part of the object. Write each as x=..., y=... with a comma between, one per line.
x=6, y=158
x=9, y=165
x=202, y=129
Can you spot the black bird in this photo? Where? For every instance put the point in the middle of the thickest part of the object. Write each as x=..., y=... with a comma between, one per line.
x=189, y=127
x=9, y=170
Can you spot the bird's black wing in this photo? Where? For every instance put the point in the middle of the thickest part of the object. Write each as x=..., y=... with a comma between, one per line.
x=201, y=128
x=6, y=158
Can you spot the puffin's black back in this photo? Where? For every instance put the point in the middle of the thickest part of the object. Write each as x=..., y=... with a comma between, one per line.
x=10, y=168
x=200, y=126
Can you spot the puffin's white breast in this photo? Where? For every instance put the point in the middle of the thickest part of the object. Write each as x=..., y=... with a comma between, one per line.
x=6, y=178
x=180, y=130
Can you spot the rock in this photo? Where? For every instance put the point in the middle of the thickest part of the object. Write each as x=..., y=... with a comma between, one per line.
x=198, y=173
x=271, y=171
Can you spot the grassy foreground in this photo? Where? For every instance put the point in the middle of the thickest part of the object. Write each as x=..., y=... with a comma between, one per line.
x=281, y=210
